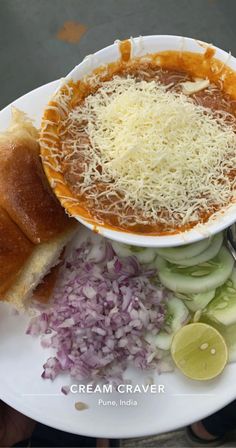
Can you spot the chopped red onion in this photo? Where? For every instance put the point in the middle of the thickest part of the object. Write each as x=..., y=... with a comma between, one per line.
x=102, y=308
x=65, y=390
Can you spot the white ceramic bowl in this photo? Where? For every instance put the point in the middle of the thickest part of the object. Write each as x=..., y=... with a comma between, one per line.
x=140, y=47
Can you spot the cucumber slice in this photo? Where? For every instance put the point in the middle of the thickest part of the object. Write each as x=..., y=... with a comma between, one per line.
x=228, y=333
x=177, y=314
x=233, y=277
x=196, y=279
x=122, y=250
x=222, y=308
x=143, y=254
x=163, y=340
x=200, y=301
x=204, y=256
x=174, y=254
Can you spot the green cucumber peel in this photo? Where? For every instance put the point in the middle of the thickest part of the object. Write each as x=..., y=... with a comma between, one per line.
x=222, y=308
x=196, y=279
x=211, y=251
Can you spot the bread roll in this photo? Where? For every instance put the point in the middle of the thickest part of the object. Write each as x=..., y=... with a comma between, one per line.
x=15, y=250
x=37, y=266
x=24, y=191
x=34, y=228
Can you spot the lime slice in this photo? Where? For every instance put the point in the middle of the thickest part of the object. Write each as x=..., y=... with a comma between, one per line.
x=199, y=351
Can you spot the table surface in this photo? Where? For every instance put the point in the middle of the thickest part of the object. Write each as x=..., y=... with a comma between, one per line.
x=32, y=53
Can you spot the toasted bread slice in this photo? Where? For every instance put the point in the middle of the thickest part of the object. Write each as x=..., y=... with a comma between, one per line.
x=42, y=259
x=34, y=228
x=44, y=291
x=15, y=249
x=24, y=190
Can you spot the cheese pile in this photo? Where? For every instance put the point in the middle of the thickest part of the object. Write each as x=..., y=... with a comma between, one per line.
x=167, y=157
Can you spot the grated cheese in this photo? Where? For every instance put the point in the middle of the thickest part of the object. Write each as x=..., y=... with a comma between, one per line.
x=162, y=156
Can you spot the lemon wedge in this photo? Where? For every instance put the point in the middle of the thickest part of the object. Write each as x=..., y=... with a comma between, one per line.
x=199, y=351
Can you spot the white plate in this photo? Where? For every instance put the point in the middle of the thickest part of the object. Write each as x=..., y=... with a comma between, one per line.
x=21, y=360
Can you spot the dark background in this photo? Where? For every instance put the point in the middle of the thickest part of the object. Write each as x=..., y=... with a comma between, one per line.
x=32, y=55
